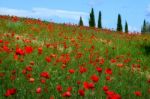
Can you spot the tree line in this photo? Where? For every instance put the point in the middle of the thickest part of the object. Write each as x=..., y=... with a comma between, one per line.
x=145, y=28
x=99, y=25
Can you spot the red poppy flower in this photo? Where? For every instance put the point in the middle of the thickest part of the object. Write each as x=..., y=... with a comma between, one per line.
x=113, y=60
x=19, y=51
x=148, y=81
x=53, y=55
x=88, y=85
x=45, y=75
x=79, y=55
x=40, y=50
x=69, y=89
x=105, y=88
x=110, y=93
x=29, y=68
x=6, y=43
x=15, y=19
x=1, y=41
x=26, y=41
x=63, y=66
x=43, y=81
x=78, y=82
x=91, y=85
x=102, y=61
x=59, y=88
x=38, y=90
x=108, y=71
x=92, y=47
x=66, y=94
x=81, y=92
x=15, y=57
x=71, y=71
x=24, y=71
x=10, y=92
x=94, y=78
x=120, y=64
x=64, y=58
x=28, y=49
x=31, y=80
x=127, y=60
x=85, y=84
x=28, y=75
x=48, y=59
x=108, y=78
x=32, y=63
x=138, y=93
x=82, y=69
x=114, y=96
x=99, y=69
x=6, y=49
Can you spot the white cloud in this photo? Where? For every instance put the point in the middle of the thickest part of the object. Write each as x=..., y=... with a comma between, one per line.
x=43, y=13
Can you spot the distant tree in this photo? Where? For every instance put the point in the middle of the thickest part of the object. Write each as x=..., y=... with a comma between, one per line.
x=143, y=30
x=80, y=22
x=149, y=28
x=100, y=20
x=126, y=27
x=119, y=24
x=92, y=19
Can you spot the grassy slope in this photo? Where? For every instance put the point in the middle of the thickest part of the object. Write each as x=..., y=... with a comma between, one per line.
x=107, y=45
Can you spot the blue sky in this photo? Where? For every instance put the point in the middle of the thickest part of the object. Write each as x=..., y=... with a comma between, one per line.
x=134, y=11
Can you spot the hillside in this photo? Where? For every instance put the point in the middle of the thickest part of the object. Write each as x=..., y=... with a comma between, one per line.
x=42, y=60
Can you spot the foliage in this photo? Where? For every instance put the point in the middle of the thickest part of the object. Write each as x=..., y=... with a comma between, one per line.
x=80, y=22
x=92, y=19
x=100, y=20
x=40, y=60
x=119, y=23
x=126, y=27
x=145, y=28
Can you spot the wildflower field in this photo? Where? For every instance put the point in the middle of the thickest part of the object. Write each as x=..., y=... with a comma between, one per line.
x=44, y=60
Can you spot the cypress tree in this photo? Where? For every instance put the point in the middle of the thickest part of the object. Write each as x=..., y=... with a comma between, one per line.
x=100, y=20
x=126, y=27
x=144, y=27
x=119, y=24
x=80, y=22
x=92, y=19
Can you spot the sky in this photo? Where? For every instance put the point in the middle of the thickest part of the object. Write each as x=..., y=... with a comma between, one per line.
x=69, y=11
